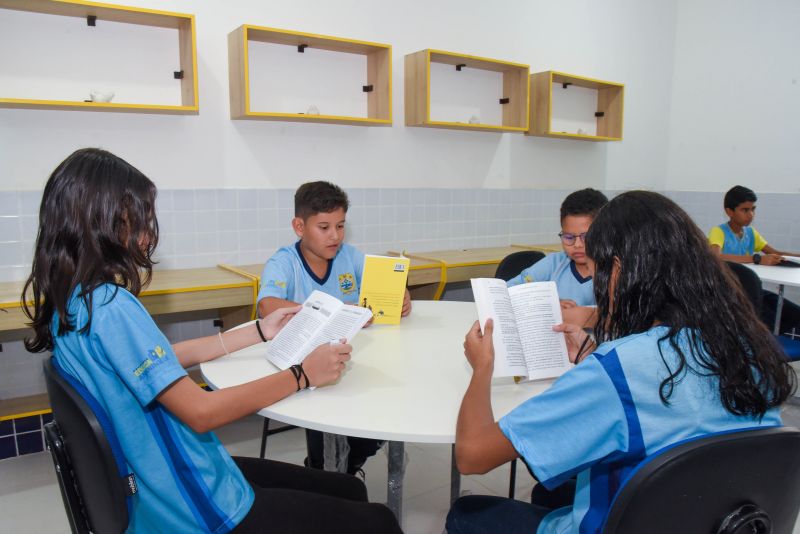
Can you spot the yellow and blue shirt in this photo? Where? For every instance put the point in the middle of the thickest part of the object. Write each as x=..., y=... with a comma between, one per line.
x=187, y=482
x=288, y=276
x=603, y=417
x=559, y=268
x=729, y=243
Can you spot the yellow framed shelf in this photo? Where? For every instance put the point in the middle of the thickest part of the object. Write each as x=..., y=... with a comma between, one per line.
x=96, y=13
x=513, y=101
x=608, y=111
x=378, y=76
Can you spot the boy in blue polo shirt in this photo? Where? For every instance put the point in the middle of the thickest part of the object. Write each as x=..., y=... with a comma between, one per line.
x=739, y=242
x=570, y=269
x=319, y=260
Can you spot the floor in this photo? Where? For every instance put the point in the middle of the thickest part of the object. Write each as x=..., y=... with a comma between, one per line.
x=30, y=500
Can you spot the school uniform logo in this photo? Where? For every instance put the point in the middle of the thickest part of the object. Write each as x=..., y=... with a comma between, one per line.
x=347, y=283
x=280, y=284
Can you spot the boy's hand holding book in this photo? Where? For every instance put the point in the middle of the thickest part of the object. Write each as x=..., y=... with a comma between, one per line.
x=479, y=348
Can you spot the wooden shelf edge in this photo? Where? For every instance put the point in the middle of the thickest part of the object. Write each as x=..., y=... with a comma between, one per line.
x=585, y=79
x=325, y=119
x=66, y=105
x=577, y=137
x=467, y=126
x=320, y=37
x=24, y=406
x=479, y=59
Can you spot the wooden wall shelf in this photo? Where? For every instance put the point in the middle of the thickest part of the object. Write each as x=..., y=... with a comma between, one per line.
x=378, y=75
x=418, y=90
x=187, y=62
x=610, y=97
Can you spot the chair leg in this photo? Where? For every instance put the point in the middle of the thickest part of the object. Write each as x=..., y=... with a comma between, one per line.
x=264, y=435
x=512, y=481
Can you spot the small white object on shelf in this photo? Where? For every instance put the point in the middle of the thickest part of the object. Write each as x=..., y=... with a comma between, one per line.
x=474, y=120
x=312, y=110
x=101, y=96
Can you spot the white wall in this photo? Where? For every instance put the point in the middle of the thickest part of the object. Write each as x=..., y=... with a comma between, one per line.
x=624, y=40
x=736, y=96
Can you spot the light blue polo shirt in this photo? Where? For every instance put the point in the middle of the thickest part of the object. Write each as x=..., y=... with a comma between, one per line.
x=187, y=481
x=287, y=276
x=730, y=243
x=604, y=416
x=558, y=267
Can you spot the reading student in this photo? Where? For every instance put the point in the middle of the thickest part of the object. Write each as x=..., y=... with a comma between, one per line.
x=93, y=254
x=321, y=260
x=739, y=242
x=679, y=357
x=570, y=269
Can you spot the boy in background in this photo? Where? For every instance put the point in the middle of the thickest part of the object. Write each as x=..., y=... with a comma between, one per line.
x=570, y=269
x=319, y=260
x=739, y=242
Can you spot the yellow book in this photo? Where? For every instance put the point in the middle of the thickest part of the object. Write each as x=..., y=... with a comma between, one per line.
x=383, y=286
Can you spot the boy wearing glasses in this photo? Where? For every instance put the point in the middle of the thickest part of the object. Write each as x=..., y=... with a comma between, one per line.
x=570, y=269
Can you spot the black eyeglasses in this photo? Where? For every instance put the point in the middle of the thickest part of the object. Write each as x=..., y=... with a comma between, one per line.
x=569, y=239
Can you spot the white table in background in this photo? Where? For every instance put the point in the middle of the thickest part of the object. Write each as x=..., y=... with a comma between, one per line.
x=404, y=384
x=782, y=276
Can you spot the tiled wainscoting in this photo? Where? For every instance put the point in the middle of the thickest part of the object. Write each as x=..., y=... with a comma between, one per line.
x=204, y=227
x=22, y=435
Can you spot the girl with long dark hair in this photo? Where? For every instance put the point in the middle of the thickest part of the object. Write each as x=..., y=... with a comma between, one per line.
x=93, y=254
x=680, y=354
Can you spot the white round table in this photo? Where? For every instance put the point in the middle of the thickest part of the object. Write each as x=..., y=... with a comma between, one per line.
x=404, y=383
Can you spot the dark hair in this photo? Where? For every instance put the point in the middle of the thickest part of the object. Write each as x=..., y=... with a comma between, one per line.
x=319, y=197
x=668, y=274
x=585, y=202
x=97, y=212
x=738, y=194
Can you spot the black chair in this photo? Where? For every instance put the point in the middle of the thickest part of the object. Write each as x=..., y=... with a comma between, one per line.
x=751, y=284
x=508, y=268
x=516, y=262
x=91, y=475
x=745, y=482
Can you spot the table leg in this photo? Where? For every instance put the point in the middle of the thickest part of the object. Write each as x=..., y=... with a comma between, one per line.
x=778, y=311
x=335, y=450
x=455, y=477
x=394, y=485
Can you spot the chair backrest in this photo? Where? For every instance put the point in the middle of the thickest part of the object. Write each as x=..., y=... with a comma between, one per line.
x=750, y=282
x=734, y=482
x=516, y=262
x=88, y=471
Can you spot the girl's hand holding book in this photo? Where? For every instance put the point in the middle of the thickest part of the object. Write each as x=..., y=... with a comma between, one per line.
x=579, y=343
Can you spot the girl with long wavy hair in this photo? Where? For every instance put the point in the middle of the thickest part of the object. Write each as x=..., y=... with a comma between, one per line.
x=681, y=354
x=93, y=254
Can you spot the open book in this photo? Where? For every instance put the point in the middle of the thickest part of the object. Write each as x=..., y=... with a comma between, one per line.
x=323, y=319
x=383, y=286
x=524, y=316
x=790, y=261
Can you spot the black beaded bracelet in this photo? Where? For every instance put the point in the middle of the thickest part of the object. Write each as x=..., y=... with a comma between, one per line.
x=260, y=332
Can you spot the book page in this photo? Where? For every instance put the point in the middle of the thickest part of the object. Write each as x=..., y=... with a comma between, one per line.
x=345, y=323
x=292, y=343
x=492, y=300
x=383, y=286
x=790, y=261
x=537, y=310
